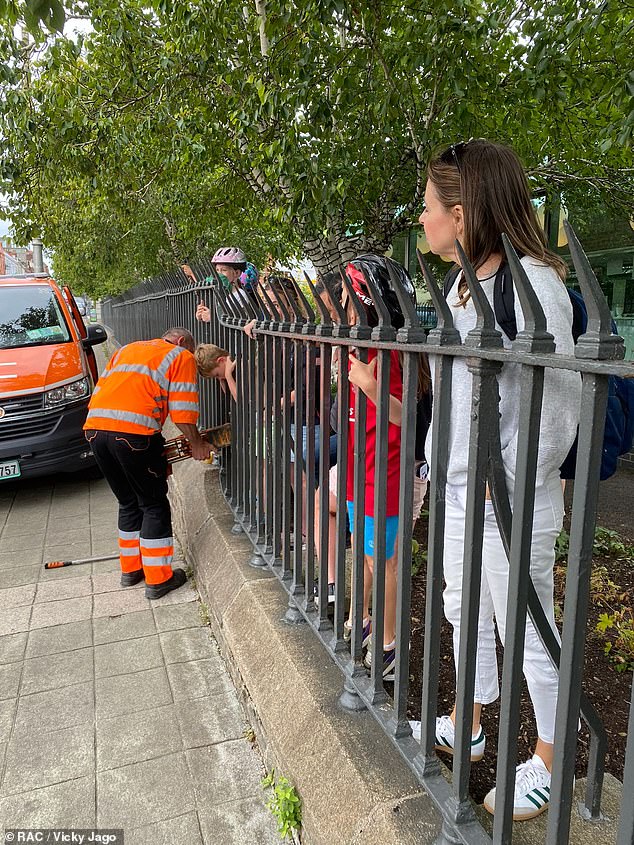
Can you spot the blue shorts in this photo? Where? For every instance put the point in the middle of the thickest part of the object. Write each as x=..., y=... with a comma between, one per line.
x=391, y=528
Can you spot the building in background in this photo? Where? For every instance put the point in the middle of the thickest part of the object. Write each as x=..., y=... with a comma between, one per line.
x=15, y=260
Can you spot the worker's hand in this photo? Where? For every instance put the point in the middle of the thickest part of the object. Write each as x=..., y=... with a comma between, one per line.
x=248, y=329
x=363, y=375
x=201, y=449
x=203, y=313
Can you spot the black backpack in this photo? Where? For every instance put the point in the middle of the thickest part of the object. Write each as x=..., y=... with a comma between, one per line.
x=619, y=420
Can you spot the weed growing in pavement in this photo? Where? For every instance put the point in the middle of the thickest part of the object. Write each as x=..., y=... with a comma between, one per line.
x=249, y=735
x=284, y=804
x=203, y=611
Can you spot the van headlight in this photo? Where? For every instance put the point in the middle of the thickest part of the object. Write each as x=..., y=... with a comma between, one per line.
x=68, y=393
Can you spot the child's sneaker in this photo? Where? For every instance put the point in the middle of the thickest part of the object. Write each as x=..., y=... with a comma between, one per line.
x=532, y=790
x=389, y=662
x=366, y=635
x=446, y=735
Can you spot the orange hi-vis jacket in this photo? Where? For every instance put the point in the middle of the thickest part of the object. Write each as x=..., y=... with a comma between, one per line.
x=144, y=382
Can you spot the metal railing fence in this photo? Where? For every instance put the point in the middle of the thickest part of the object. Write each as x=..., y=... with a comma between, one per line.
x=293, y=352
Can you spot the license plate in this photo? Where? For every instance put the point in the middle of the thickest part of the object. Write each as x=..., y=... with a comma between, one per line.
x=9, y=469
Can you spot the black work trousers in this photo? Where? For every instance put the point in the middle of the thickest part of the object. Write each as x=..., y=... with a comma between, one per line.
x=136, y=470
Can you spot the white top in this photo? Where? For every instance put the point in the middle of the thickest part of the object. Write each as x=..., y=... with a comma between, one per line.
x=562, y=388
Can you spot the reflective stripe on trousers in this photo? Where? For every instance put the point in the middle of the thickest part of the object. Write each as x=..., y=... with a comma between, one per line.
x=156, y=555
x=129, y=551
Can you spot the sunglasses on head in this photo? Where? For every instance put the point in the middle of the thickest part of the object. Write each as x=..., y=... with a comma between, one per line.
x=453, y=154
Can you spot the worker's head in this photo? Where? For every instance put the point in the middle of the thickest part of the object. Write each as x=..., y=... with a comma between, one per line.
x=211, y=360
x=180, y=337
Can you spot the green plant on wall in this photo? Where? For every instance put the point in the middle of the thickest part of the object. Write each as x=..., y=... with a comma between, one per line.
x=284, y=803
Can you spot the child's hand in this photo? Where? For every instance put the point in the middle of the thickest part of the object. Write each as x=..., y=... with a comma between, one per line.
x=363, y=375
x=230, y=366
x=187, y=270
x=248, y=329
x=203, y=313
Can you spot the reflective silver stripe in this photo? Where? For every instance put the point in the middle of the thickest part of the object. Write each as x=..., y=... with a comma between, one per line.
x=133, y=552
x=129, y=535
x=172, y=355
x=124, y=416
x=144, y=370
x=183, y=387
x=158, y=544
x=183, y=406
x=165, y=560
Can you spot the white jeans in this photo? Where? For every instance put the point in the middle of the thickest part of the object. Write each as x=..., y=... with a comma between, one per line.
x=541, y=676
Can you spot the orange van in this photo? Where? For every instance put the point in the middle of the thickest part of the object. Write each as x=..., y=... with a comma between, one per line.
x=47, y=374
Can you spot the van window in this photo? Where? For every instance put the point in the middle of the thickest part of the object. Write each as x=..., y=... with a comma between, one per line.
x=31, y=316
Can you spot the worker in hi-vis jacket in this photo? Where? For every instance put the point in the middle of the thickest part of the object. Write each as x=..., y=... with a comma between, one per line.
x=143, y=383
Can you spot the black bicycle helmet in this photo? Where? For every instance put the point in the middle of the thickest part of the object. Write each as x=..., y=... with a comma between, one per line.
x=375, y=266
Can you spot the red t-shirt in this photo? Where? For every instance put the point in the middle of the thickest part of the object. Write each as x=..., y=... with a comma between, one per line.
x=393, y=444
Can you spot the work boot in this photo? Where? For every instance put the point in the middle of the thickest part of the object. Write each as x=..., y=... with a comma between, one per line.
x=129, y=579
x=157, y=591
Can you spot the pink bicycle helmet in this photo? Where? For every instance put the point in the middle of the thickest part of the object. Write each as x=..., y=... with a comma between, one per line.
x=229, y=255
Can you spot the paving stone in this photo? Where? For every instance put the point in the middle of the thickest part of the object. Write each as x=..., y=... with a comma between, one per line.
x=59, y=708
x=17, y=596
x=126, y=656
x=68, y=637
x=53, y=576
x=183, y=594
x=73, y=588
x=12, y=647
x=199, y=678
x=10, y=679
x=177, y=616
x=29, y=540
x=15, y=619
x=137, y=737
x=128, y=626
x=226, y=772
x=114, y=604
x=190, y=644
x=110, y=582
x=17, y=526
x=18, y=576
x=238, y=822
x=131, y=693
x=64, y=805
x=184, y=829
x=7, y=711
x=44, y=758
x=100, y=567
x=143, y=793
x=58, y=535
x=65, y=669
x=50, y=613
x=207, y=721
x=13, y=560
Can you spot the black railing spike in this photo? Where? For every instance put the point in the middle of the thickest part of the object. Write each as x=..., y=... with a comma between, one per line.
x=281, y=297
x=323, y=311
x=336, y=301
x=352, y=297
x=273, y=314
x=485, y=316
x=599, y=316
x=310, y=313
x=408, y=308
x=535, y=336
x=443, y=311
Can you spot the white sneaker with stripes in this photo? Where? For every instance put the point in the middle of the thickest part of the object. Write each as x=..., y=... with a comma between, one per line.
x=446, y=736
x=532, y=790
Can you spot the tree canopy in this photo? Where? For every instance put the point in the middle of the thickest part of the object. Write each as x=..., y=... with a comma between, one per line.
x=289, y=128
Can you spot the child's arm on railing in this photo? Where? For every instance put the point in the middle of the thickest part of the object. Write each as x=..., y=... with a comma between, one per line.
x=364, y=377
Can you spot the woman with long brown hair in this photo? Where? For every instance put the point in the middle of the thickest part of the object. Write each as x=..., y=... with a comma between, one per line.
x=476, y=191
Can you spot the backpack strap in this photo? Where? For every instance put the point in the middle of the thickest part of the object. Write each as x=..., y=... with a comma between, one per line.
x=450, y=278
x=504, y=301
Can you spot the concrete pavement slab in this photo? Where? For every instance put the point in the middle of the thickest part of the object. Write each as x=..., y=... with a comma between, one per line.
x=127, y=656
x=69, y=804
x=128, y=626
x=238, y=822
x=142, y=793
x=18, y=576
x=171, y=832
x=137, y=737
x=198, y=679
x=15, y=619
x=7, y=712
x=110, y=582
x=12, y=647
x=10, y=674
x=226, y=772
x=123, y=694
x=44, y=758
x=54, y=590
x=100, y=567
x=47, y=614
x=59, y=638
x=19, y=559
x=188, y=644
x=26, y=541
x=207, y=721
x=57, y=709
x=17, y=596
x=114, y=604
x=64, y=670
x=51, y=576
x=175, y=617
